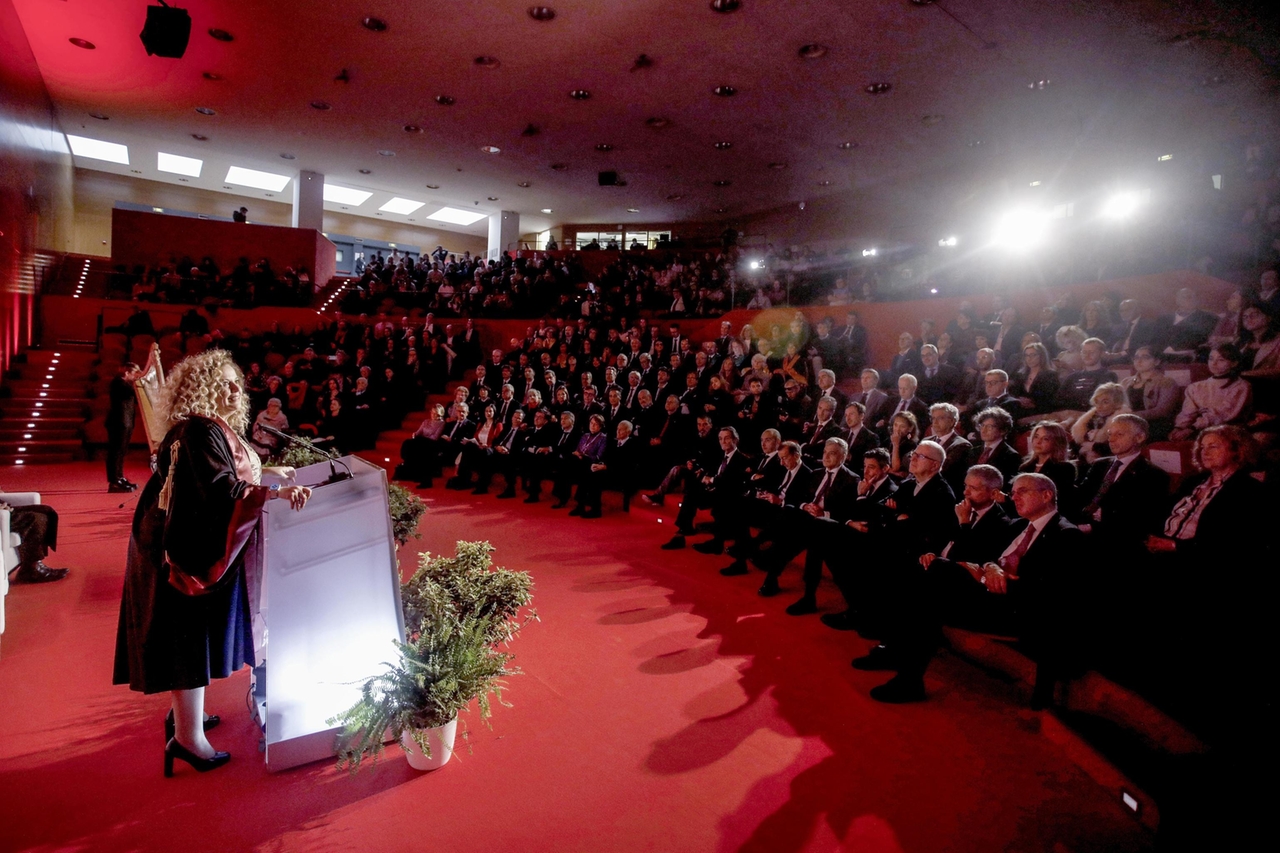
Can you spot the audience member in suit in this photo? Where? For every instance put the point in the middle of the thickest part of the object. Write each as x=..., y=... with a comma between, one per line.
x=907, y=359
x=1049, y=445
x=702, y=450
x=826, y=387
x=763, y=474
x=853, y=343
x=907, y=401
x=449, y=445
x=503, y=458
x=1133, y=332
x=996, y=386
x=877, y=402
x=764, y=507
x=756, y=413
x=825, y=348
x=718, y=487
x=973, y=387
x=615, y=411
x=614, y=469
x=856, y=433
x=1048, y=328
x=476, y=447
x=817, y=432
x=944, y=420
x=1035, y=383
x=1006, y=337
x=937, y=380
x=1182, y=333
x=992, y=448
x=794, y=410
x=546, y=453
x=1023, y=591
x=1076, y=389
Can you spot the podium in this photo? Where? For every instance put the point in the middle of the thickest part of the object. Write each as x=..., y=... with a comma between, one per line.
x=329, y=607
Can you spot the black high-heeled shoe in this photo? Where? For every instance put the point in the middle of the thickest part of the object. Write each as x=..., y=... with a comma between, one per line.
x=210, y=722
x=173, y=750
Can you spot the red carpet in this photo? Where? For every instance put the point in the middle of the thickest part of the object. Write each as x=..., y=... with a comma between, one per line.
x=664, y=708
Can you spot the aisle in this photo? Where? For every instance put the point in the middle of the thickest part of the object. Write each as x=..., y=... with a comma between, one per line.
x=665, y=708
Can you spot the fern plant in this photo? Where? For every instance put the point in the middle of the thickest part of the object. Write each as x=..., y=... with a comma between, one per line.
x=458, y=610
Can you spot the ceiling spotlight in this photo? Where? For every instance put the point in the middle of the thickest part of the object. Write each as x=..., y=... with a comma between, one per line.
x=824, y=183
x=445, y=100
x=977, y=143
x=386, y=152
x=724, y=7
x=1036, y=183
x=542, y=13
x=81, y=43
x=373, y=24
x=206, y=111
x=813, y=50
x=546, y=210
x=288, y=157
x=1039, y=84
x=490, y=149
x=869, y=253
x=777, y=166
x=221, y=35
x=633, y=210
x=524, y=184
x=604, y=147
x=1021, y=230
x=580, y=94
x=1121, y=206
x=100, y=116
x=486, y=62
x=723, y=146
x=847, y=146
x=366, y=171
x=433, y=186
x=321, y=105
x=721, y=209
x=724, y=91
x=657, y=123
x=721, y=183
x=1164, y=157
x=877, y=88
x=674, y=197
x=493, y=198
x=559, y=167
x=922, y=2
x=948, y=242
x=412, y=128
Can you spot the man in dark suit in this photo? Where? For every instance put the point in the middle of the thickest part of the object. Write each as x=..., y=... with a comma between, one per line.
x=943, y=420
x=825, y=347
x=615, y=470
x=853, y=343
x=764, y=473
x=857, y=434
x=827, y=388
x=992, y=448
x=764, y=507
x=1187, y=329
x=1006, y=337
x=817, y=432
x=1124, y=496
x=717, y=487
x=937, y=381
x=547, y=453
x=1022, y=591
x=906, y=401
x=1133, y=331
x=615, y=411
x=877, y=402
x=1048, y=328
x=449, y=444
x=696, y=453
x=506, y=404
x=794, y=410
x=504, y=457
x=996, y=386
x=726, y=338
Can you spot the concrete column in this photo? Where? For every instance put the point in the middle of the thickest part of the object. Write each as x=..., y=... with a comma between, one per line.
x=504, y=232
x=308, y=201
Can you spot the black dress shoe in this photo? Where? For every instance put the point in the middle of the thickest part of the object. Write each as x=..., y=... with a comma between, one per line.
x=843, y=621
x=425, y=484
x=879, y=659
x=559, y=504
x=457, y=484
x=899, y=690
x=769, y=588
x=577, y=510
x=711, y=546
x=674, y=544
x=210, y=722
x=507, y=493
x=532, y=499
x=652, y=500
x=480, y=490
x=173, y=749
x=869, y=629
x=38, y=572
x=122, y=481
x=118, y=488
x=803, y=607
x=737, y=567
x=593, y=513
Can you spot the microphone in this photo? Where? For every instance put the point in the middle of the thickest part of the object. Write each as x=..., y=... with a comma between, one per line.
x=334, y=460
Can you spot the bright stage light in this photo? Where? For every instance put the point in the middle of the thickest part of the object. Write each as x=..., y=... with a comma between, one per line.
x=868, y=253
x=755, y=265
x=1021, y=230
x=1122, y=206
x=949, y=242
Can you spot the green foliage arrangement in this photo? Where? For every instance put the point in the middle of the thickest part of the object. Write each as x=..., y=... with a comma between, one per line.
x=406, y=508
x=458, y=611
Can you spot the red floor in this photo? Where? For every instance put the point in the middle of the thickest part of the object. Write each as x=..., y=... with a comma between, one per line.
x=664, y=708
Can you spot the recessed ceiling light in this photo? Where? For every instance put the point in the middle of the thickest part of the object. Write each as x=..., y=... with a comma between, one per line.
x=524, y=184
x=493, y=198
x=433, y=186
x=212, y=75
x=777, y=166
x=721, y=209
x=930, y=120
x=541, y=13
x=724, y=91
x=96, y=149
x=386, y=152
x=81, y=43
x=199, y=137
x=877, y=88
x=373, y=24
x=188, y=166
x=412, y=128
x=1035, y=183
x=546, y=210
x=366, y=171
x=559, y=167
x=721, y=183
x=657, y=123
x=321, y=105
x=674, y=197
x=455, y=216
x=723, y=146
x=345, y=195
x=256, y=179
x=287, y=156
x=100, y=116
x=1039, y=84
x=975, y=143
x=922, y=2
x=604, y=146
x=206, y=111
x=445, y=100
x=221, y=35
x=580, y=94
x=847, y=146
x=490, y=149
x=403, y=206
x=487, y=61
x=824, y=183
x=813, y=50
x=724, y=7
x=633, y=210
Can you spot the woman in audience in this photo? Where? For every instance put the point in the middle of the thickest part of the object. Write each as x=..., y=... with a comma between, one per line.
x=1228, y=328
x=1049, y=444
x=718, y=403
x=732, y=381
x=272, y=416
x=794, y=364
x=560, y=400
x=362, y=420
x=1036, y=384
x=483, y=439
x=904, y=435
x=1150, y=394
x=1089, y=432
x=1259, y=340
x=532, y=402
x=738, y=355
x=749, y=340
x=435, y=366
x=1223, y=398
x=1069, y=340
x=1094, y=321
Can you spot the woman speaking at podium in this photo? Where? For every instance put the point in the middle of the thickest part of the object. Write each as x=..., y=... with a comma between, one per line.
x=184, y=615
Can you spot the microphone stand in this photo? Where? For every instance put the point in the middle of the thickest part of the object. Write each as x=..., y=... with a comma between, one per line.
x=334, y=459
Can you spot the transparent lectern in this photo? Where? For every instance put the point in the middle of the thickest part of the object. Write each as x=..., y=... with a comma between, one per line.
x=329, y=607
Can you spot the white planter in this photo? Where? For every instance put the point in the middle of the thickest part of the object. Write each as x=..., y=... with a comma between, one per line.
x=440, y=739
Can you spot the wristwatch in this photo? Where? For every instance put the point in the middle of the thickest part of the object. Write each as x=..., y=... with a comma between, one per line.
x=275, y=490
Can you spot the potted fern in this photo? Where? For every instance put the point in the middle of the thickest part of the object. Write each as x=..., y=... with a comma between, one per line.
x=458, y=612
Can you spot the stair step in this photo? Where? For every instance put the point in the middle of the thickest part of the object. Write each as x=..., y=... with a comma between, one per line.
x=36, y=458
x=9, y=434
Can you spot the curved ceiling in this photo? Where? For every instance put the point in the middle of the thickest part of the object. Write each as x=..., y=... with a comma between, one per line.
x=980, y=92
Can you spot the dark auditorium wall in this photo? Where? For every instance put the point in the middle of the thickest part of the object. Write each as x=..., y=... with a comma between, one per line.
x=35, y=183
x=152, y=238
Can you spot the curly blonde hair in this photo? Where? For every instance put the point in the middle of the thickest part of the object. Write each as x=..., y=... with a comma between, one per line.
x=194, y=386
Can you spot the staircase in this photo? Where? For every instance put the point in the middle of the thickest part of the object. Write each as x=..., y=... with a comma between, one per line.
x=43, y=407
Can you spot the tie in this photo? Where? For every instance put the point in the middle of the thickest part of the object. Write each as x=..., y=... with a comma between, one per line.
x=454, y=431
x=930, y=372
x=786, y=483
x=563, y=436
x=724, y=463
x=1010, y=561
x=631, y=398
x=822, y=490
x=985, y=457
x=902, y=407
x=511, y=437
